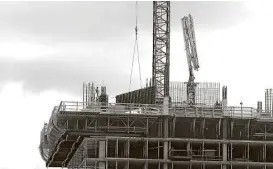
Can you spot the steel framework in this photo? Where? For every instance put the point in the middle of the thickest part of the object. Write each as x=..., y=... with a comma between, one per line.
x=131, y=136
x=161, y=49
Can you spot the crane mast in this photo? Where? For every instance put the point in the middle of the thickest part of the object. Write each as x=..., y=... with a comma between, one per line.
x=191, y=52
x=161, y=49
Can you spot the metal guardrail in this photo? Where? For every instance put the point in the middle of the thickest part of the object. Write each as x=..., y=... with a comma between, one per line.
x=126, y=108
x=212, y=111
x=131, y=108
x=247, y=112
x=241, y=112
x=199, y=111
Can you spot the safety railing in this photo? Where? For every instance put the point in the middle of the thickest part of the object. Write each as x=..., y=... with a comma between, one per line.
x=241, y=112
x=43, y=132
x=214, y=111
x=44, y=143
x=50, y=134
x=124, y=108
x=131, y=108
x=197, y=111
x=264, y=115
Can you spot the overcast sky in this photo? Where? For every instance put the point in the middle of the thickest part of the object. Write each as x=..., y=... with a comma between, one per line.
x=47, y=49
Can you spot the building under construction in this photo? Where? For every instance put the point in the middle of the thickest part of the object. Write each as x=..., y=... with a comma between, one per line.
x=162, y=126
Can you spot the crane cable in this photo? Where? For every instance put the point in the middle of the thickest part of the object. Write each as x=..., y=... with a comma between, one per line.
x=136, y=50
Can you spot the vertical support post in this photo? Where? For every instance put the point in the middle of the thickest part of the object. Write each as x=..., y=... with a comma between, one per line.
x=145, y=165
x=145, y=149
x=166, y=148
x=248, y=148
x=116, y=153
x=219, y=129
x=264, y=154
x=102, y=153
x=158, y=149
x=224, y=151
x=127, y=152
x=173, y=129
x=189, y=148
x=193, y=127
x=203, y=122
x=166, y=132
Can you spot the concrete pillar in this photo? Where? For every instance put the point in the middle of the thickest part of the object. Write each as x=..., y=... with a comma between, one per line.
x=127, y=153
x=224, y=148
x=224, y=125
x=188, y=148
x=166, y=131
x=145, y=149
x=166, y=145
x=102, y=154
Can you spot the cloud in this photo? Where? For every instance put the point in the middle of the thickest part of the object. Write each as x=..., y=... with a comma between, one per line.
x=24, y=113
x=211, y=15
x=100, y=21
x=73, y=64
x=86, y=41
x=28, y=56
x=22, y=50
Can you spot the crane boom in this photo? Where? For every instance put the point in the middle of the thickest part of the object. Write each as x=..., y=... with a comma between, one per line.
x=191, y=52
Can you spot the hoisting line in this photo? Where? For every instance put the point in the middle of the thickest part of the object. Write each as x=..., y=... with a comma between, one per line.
x=136, y=50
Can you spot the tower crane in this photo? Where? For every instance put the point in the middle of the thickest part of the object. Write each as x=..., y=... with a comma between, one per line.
x=191, y=52
x=161, y=55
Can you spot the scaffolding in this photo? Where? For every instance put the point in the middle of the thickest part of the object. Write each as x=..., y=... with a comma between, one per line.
x=89, y=94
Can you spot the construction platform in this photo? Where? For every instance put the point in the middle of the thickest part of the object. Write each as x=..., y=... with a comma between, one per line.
x=151, y=136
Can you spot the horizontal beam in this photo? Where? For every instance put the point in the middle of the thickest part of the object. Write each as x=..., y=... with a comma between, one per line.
x=233, y=163
x=209, y=141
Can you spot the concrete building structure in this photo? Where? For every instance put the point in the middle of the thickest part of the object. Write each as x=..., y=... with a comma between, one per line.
x=131, y=136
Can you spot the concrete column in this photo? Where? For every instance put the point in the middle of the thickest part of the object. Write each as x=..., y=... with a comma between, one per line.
x=102, y=154
x=188, y=148
x=127, y=153
x=145, y=154
x=166, y=145
x=145, y=149
x=224, y=148
x=166, y=131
